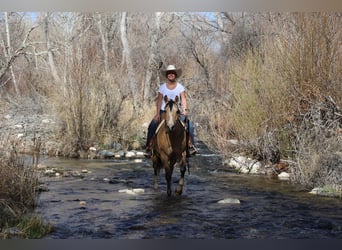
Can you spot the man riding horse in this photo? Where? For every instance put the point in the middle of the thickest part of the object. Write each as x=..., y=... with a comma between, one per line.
x=171, y=88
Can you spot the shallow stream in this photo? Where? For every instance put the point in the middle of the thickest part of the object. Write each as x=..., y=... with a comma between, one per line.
x=98, y=204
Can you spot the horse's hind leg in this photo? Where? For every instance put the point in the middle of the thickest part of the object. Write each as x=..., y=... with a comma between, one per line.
x=155, y=180
x=156, y=168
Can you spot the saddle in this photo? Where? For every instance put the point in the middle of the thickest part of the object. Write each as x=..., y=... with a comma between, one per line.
x=185, y=124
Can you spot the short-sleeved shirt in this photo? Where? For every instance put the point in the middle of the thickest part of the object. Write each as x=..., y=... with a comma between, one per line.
x=171, y=93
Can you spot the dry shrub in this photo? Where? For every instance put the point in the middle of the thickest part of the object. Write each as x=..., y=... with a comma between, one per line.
x=132, y=124
x=96, y=112
x=259, y=106
x=319, y=147
x=18, y=184
x=88, y=111
x=309, y=55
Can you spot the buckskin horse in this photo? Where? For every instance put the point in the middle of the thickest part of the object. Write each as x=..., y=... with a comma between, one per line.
x=170, y=146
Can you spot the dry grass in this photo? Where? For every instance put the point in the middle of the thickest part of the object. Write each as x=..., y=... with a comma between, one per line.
x=18, y=194
x=18, y=184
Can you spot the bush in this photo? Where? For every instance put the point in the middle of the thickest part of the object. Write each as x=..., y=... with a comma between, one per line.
x=318, y=147
x=18, y=184
x=18, y=193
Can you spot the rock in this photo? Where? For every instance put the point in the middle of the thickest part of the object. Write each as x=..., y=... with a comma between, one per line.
x=106, y=154
x=83, y=203
x=138, y=190
x=229, y=201
x=133, y=191
x=317, y=190
x=284, y=176
x=130, y=154
x=139, y=153
x=119, y=154
x=244, y=165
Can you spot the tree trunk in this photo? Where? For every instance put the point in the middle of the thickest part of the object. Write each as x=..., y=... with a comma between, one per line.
x=153, y=65
x=103, y=43
x=49, y=50
x=9, y=54
x=128, y=60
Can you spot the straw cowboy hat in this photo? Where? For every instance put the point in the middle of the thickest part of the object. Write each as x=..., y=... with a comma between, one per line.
x=171, y=68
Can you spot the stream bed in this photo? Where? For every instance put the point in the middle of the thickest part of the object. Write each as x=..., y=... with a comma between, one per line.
x=115, y=199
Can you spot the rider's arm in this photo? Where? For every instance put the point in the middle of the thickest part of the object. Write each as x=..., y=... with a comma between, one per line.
x=184, y=103
x=159, y=103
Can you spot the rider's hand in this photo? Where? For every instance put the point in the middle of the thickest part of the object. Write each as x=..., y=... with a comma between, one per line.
x=157, y=117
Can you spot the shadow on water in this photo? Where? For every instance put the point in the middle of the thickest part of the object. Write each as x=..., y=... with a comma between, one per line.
x=93, y=207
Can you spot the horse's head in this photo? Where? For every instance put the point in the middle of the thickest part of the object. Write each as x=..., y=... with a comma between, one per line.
x=171, y=112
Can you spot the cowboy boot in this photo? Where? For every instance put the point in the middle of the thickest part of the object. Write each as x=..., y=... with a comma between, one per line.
x=148, y=148
x=191, y=149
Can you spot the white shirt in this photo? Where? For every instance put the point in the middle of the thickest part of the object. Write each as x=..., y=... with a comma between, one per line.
x=171, y=93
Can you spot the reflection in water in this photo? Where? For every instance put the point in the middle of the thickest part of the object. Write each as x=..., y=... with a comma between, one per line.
x=93, y=207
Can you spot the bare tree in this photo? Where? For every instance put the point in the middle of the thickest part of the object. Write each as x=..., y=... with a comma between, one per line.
x=153, y=64
x=12, y=51
x=104, y=42
x=128, y=60
x=50, y=48
x=9, y=53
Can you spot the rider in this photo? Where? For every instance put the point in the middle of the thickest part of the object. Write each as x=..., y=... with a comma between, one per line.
x=171, y=88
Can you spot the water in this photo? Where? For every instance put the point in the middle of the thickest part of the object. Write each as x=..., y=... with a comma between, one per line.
x=92, y=206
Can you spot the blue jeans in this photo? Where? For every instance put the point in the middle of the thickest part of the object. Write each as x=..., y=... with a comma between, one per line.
x=152, y=127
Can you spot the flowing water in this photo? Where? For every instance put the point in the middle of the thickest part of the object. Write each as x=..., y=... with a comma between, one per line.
x=95, y=204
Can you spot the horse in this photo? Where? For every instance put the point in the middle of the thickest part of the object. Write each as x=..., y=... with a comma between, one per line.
x=170, y=146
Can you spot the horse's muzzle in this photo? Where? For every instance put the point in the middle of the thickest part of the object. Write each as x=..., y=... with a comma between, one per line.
x=169, y=129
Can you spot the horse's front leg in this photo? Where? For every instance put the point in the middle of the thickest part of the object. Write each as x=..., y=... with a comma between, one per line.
x=183, y=164
x=168, y=177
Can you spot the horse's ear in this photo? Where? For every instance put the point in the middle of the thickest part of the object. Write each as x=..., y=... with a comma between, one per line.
x=176, y=99
x=165, y=98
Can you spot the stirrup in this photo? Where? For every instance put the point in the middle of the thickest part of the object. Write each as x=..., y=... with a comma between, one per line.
x=148, y=152
x=192, y=150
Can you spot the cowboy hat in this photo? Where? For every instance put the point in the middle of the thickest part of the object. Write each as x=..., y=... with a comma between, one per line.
x=171, y=68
